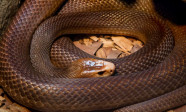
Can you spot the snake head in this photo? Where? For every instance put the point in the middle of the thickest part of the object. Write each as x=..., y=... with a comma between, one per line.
x=94, y=68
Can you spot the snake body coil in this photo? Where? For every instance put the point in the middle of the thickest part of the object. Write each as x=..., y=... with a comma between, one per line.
x=152, y=79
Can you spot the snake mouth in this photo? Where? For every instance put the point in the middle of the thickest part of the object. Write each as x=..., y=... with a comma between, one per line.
x=105, y=73
x=107, y=70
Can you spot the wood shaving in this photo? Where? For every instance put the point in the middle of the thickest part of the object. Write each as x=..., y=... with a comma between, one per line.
x=94, y=38
x=87, y=41
x=114, y=54
x=101, y=53
x=90, y=49
x=123, y=42
x=110, y=47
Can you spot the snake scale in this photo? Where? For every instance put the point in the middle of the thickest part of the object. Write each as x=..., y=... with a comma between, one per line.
x=152, y=79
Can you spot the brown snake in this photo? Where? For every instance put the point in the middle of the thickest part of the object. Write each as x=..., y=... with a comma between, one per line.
x=152, y=79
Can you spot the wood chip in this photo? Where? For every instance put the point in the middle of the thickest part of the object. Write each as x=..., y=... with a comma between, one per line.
x=114, y=54
x=4, y=110
x=17, y=108
x=87, y=41
x=94, y=38
x=180, y=109
x=102, y=39
x=107, y=50
x=78, y=39
x=123, y=55
x=2, y=99
x=122, y=42
x=104, y=52
x=108, y=43
x=8, y=101
x=124, y=50
x=8, y=106
x=137, y=43
x=112, y=46
x=101, y=53
x=90, y=49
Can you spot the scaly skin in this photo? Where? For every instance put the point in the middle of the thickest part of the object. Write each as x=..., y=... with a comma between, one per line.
x=155, y=70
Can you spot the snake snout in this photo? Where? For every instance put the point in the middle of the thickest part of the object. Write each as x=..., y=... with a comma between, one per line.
x=107, y=69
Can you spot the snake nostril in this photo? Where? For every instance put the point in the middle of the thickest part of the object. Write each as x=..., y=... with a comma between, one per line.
x=101, y=73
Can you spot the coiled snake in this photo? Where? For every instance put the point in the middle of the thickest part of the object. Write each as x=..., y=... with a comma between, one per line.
x=152, y=79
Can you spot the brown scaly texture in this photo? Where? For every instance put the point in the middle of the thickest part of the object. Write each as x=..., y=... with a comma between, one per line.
x=152, y=79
